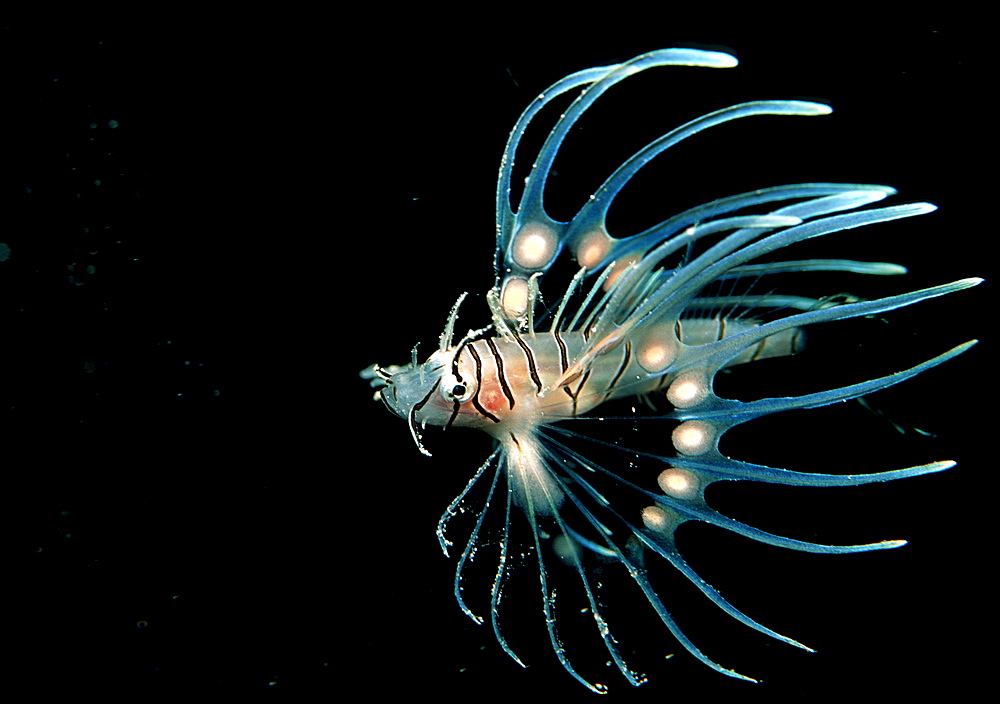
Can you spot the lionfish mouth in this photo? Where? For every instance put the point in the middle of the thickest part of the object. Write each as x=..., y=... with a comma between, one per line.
x=378, y=377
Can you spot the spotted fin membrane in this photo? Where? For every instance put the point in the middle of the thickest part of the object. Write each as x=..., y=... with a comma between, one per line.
x=653, y=317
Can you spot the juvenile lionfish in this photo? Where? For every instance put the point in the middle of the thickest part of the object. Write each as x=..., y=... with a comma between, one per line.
x=654, y=315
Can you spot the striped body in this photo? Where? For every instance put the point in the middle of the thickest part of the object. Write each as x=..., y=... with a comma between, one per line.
x=515, y=380
x=657, y=315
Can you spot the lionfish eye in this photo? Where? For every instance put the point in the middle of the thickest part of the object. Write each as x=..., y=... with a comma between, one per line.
x=456, y=390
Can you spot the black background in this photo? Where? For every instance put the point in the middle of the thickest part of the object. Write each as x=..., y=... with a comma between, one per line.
x=204, y=497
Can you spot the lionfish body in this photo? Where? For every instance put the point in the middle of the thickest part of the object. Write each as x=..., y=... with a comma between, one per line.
x=654, y=315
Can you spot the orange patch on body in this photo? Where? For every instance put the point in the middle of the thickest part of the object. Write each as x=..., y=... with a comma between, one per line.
x=492, y=398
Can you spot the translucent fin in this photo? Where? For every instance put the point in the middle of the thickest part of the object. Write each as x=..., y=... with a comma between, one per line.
x=652, y=315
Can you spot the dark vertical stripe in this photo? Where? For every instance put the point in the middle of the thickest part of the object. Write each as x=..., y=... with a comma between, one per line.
x=579, y=388
x=420, y=404
x=479, y=384
x=501, y=375
x=563, y=365
x=454, y=415
x=621, y=370
x=563, y=358
x=532, y=369
x=454, y=360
